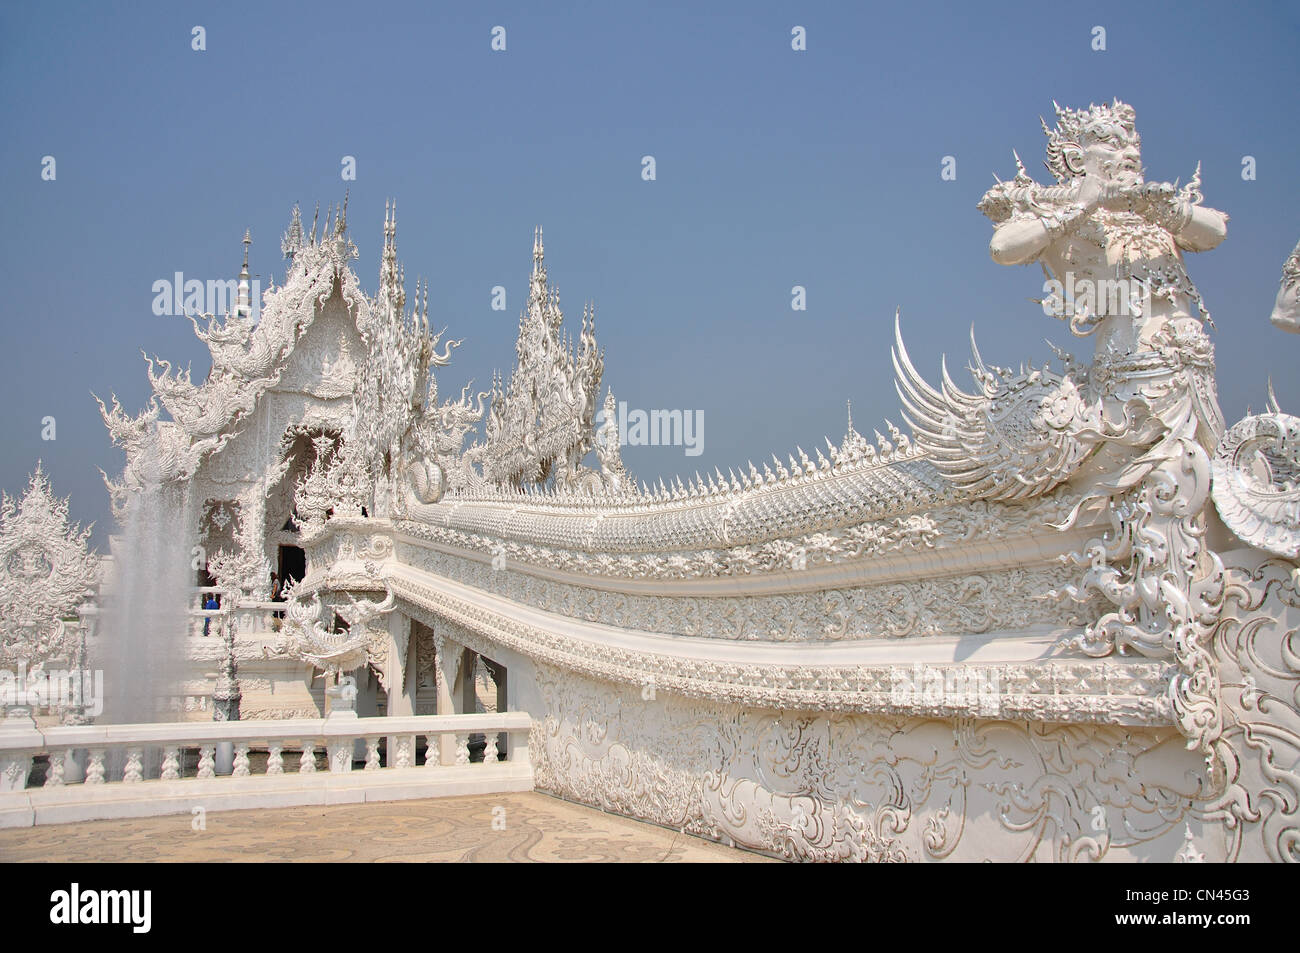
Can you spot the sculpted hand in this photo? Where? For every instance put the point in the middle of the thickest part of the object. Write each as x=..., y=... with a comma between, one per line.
x=1119, y=198
x=1160, y=204
x=1095, y=192
x=1089, y=192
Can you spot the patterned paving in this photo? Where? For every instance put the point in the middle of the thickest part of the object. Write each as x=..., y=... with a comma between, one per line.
x=538, y=828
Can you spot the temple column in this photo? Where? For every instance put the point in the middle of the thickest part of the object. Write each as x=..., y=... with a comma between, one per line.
x=397, y=673
x=449, y=656
x=503, y=700
x=468, y=682
x=399, y=678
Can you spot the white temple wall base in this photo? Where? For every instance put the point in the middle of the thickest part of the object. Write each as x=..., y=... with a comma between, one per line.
x=861, y=788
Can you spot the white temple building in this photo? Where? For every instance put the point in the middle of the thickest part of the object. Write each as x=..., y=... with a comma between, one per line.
x=1052, y=617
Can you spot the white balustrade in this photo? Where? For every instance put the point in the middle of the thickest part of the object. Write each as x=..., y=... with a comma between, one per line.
x=129, y=748
x=249, y=617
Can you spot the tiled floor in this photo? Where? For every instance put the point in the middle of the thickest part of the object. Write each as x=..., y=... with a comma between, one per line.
x=537, y=828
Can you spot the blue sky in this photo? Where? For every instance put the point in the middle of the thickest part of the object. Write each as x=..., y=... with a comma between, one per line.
x=775, y=168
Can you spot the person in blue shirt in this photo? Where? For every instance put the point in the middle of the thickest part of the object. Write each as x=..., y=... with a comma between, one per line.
x=210, y=602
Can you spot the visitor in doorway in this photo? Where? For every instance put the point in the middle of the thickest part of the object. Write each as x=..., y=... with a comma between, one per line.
x=210, y=603
x=277, y=594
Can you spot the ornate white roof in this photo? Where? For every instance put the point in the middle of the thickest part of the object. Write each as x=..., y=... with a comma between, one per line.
x=389, y=383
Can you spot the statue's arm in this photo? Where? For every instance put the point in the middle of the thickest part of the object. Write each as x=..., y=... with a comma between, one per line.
x=1025, y=236
x=1040, y=217
x=1194, y=227
x=1205, y=228
x=1019, y=241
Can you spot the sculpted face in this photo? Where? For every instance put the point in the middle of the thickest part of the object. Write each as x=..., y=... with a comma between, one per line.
x=1113, y=158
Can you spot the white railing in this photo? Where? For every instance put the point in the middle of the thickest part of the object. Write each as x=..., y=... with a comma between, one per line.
x=250, y=618
x=164, y=753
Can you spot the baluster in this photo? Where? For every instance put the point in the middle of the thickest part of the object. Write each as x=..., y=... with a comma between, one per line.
x=340, y=755
x=462, y=748
x=372, y=754
x=431, y=757
x=171, y=764
x=405, y=757
x=241, y=761
x=207, y=761
x=307, y=763
x=95, y=766
x=274, y=758
x=489, y=747
x=133, y=773
x=15, y=769
x=54, y=776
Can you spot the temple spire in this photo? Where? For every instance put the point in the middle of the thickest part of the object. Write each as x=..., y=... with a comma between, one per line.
x=392, y=276
x=342, y=225
x=853, y=441
x=243, y=303
x=292, y=241
x=538, y=296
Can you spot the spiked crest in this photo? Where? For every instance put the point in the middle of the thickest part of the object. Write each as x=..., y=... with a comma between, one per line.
x=1076, y=127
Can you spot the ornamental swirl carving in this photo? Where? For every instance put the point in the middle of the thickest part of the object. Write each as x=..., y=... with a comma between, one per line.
x=1256, y=792
x=1257, y=482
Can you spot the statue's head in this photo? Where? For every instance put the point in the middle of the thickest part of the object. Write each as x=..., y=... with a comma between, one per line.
x=1098, y=141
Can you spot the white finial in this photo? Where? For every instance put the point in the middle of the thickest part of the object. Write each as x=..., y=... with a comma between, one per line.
x=243, y=298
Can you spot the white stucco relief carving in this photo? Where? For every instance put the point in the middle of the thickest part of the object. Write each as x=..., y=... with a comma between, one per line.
x=1005, y=634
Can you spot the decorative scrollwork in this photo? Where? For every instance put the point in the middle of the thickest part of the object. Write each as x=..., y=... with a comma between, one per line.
x=1257, y=482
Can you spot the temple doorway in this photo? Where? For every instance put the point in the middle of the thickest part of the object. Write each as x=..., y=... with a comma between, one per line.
x=293, y=564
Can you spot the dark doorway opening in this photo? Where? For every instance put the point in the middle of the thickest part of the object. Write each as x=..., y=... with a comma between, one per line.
x=293, y=564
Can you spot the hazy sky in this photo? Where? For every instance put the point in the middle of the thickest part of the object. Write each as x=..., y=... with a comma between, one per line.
x=775, y=168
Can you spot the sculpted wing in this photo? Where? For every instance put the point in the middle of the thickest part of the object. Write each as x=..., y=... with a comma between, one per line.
x=1016, y=438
